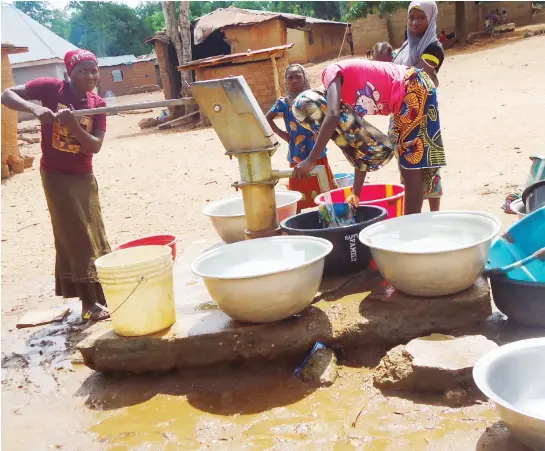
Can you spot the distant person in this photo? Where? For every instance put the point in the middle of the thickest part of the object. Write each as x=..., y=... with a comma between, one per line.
x=443, y=37
x=423, y=50
x=300, y=140
x=71, y=190
x=356, y=88
x=382, y=51
x=504, y=19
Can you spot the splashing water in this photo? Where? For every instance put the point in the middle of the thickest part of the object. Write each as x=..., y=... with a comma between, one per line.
x=336, y=215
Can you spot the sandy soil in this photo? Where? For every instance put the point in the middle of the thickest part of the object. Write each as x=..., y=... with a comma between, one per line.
x=492, y=109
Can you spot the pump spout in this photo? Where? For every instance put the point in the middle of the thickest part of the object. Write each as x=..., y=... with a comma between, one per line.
x=318, y=171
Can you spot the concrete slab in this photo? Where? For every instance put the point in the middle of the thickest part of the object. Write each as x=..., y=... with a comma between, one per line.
x=344, y=315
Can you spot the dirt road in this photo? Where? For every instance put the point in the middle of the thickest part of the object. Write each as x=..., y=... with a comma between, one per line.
x=492, y=107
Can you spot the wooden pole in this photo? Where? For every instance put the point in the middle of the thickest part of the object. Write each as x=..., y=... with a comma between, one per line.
x=276, y=80
x=134, y=106
x=344, y=39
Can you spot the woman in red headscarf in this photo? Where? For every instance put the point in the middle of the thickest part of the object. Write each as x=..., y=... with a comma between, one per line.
x=68, y=145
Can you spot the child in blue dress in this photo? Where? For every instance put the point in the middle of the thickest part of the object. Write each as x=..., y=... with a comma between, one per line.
x=301, y=140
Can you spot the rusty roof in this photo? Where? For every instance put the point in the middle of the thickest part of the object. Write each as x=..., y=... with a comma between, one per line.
x=11, y=49
x=158, y=36
x=238, y=17
x=235, y=57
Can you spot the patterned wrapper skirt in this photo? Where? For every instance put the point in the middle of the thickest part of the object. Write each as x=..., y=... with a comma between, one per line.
x=416, y=131
x=79, y=233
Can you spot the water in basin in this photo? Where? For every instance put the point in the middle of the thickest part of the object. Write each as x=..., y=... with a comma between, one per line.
x=427, y=232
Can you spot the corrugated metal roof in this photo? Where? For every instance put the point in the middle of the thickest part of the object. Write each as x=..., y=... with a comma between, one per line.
x=23, y=31
x=238, y=57
x=235, y=17
x=116, y=60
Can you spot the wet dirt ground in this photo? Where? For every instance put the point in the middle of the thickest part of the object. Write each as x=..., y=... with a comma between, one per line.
x=491, y=110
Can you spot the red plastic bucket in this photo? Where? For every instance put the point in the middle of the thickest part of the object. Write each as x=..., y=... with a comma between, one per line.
x=155, y=240
x=390, y=197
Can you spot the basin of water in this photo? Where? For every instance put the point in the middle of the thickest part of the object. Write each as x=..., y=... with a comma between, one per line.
x=349, y=254
x=265, y=279
x=432, y=254
x=512, y=377
x=229, y=221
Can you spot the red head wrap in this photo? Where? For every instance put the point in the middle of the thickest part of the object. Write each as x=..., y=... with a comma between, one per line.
x=74, y=57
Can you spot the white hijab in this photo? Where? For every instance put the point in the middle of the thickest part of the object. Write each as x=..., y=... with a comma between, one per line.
x=412, y=49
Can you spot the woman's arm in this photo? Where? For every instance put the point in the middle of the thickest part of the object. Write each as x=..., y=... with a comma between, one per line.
x=430, y=70
x=330, y=123
x=16, y=98
x=270, y=116
x=90, y=143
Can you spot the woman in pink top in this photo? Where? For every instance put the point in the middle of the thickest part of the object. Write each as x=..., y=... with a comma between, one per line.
x=357, y=87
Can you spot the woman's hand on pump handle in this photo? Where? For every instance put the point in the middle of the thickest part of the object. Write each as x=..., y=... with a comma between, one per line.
x=303, y=169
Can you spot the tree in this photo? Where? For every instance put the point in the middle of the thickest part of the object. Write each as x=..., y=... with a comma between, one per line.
x=42, y=12
x=460, y=21
x=108, y=29
x=185, y=34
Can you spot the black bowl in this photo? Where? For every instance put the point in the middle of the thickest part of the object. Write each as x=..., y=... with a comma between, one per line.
x=348, y=254
x=534, y=197
x=522, y=302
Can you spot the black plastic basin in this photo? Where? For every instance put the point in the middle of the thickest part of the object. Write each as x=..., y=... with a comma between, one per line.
x=534, y=197
x=522, y=302
x=348, y=254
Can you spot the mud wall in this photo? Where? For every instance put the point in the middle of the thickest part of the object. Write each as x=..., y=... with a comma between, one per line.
x=135, y=75
x=258, y=75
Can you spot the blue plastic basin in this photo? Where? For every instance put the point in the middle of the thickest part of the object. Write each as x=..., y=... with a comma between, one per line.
x=523, y=239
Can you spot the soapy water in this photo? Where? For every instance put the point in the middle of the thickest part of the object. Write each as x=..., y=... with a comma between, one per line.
x=255, y=267
x=411, y=241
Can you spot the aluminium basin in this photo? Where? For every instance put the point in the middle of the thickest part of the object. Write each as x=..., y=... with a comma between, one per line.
x=432, y=254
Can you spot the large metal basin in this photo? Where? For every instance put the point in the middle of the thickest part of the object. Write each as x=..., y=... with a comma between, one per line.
x=432, y=254
x=513, y=376
x=265, y=279
x=227, y=215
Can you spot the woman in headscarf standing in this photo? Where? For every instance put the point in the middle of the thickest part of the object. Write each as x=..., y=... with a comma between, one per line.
x=301, y=140
x=71, y=190
x=423, y=50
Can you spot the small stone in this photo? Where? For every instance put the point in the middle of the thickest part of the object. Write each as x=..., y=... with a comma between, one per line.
x=528, y=34
x=321, y=370
x=456, y=397
x=433, y=364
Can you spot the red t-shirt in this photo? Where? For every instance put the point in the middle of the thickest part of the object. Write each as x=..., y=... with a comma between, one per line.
x=369, y=87
x=61, y=152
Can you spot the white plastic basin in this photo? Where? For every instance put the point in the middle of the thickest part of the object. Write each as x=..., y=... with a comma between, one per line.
x=266, y=279
x=513, y=376
x=432, y=254
x=227, y=215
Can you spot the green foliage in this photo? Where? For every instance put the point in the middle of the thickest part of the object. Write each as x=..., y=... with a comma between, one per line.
x=111, y=29
x=360, y=10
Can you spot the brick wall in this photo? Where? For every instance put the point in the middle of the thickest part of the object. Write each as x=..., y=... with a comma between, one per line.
x=255, y=37
x=391, y=28
x=327, y=42
x=367, y=32
x=134, y=75
x=258, y=75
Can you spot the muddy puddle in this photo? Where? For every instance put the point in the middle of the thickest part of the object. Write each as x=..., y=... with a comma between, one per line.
x=267, y=409
x=243, y=407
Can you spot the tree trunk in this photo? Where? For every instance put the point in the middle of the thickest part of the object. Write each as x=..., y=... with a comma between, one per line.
x=461, y=26
x=171, y=25
x=185, y=32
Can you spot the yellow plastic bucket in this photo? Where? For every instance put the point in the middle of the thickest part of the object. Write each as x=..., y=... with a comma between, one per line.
x=138, y=284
